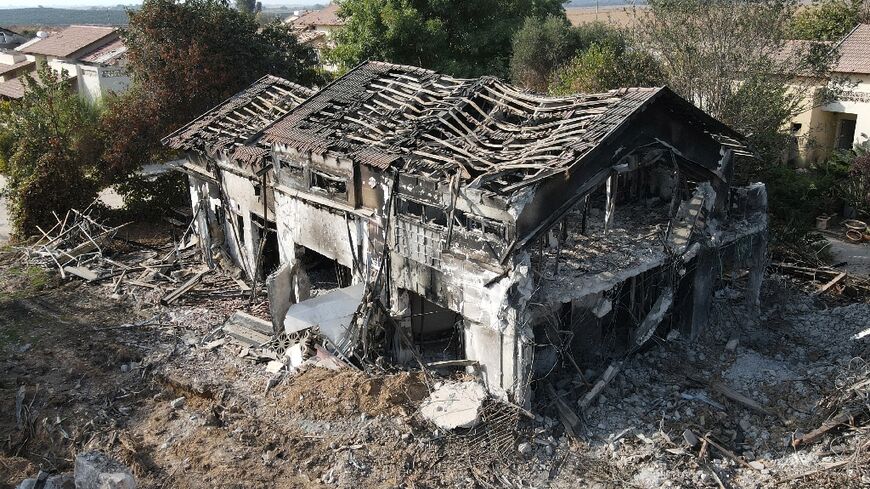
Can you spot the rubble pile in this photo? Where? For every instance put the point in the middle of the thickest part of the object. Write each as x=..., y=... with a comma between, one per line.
x=81, y=247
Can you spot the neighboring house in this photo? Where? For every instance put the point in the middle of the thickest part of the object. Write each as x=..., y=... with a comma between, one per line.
x=10, y=39
x=94, y=58
x=13, y=64
x=840, y=113
x=494, y=227
x=233, y=209
x=316, y=28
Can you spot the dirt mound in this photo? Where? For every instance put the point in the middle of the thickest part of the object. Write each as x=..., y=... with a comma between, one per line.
x=328, y=394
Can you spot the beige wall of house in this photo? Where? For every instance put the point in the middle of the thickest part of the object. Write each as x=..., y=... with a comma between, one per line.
x=837, y=124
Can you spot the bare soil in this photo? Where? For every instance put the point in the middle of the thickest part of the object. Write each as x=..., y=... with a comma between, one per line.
x=622, y=16
x=88, y=378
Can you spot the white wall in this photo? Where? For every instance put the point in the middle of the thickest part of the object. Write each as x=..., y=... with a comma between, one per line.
x=855, y=100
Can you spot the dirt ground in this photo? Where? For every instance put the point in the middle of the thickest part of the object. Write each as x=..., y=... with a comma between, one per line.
x=617, y=15
x=78, y=372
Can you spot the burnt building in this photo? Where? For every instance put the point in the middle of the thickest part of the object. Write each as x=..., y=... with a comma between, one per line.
x=512, y=230
x=231, y=191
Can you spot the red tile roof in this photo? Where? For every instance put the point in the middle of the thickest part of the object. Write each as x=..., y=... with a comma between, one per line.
x=14, y=88
x=107, y=54
x=854, y=51
x=325, y=16
x=72, y=40
x=4, y=68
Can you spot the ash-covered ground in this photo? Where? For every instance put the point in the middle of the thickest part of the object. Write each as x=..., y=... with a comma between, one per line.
x=92, y=379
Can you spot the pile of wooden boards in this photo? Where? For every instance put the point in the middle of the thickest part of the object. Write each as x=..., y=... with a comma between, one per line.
x=79, y=246
x=828, y=280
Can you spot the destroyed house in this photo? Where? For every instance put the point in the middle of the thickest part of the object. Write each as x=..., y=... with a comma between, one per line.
x=465, y=220
x=230, y=191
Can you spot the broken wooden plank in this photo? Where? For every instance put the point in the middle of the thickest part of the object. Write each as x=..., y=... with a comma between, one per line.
x=599, y=386
x=729, y=453
x=812, y=436
x=830, y=284
x=242, y=285
x=83, y=272
x=740, y=398
x=184, y=288
x=569, y=419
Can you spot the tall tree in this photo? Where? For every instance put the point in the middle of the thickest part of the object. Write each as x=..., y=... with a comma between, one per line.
x=459, y=37
x=732, y=58
x=829, y=20
x=606, y=66
x=246, y=6
x=51, y=151
x=185, y=57
x=539, y=47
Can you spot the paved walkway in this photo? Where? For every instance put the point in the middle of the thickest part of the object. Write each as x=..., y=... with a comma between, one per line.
x=856, y=256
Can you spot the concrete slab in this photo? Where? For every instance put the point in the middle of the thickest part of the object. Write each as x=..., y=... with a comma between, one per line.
x=331, y=312
x=856, y=256
x=454, y=405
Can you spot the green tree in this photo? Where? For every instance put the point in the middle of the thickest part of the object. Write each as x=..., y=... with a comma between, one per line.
x=459, y=37
x=50, y=151
x=604, y=58
x=184, y=58
x=550, y=50
x=829, y=20
x=539, y=47
x=247, y=6
x=731, y=58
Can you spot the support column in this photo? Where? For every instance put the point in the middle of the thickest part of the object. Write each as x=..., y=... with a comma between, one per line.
x=757, y=266
x=702, y=290
x=610, y=206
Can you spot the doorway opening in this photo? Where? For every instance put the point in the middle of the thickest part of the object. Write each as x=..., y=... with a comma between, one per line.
x=267, y=240
x=323, y=273
x=436, y=332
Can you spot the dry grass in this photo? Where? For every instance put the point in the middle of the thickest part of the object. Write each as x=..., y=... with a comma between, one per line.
x=621, y=16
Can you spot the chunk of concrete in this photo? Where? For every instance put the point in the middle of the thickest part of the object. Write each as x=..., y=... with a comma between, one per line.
x=454, y=405
x=60, y=481
x=95, y=470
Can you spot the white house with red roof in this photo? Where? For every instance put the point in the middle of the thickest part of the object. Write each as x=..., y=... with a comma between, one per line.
x=842, y=119
x=94, y=57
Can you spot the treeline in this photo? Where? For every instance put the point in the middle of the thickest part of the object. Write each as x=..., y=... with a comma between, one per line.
x=60, y=16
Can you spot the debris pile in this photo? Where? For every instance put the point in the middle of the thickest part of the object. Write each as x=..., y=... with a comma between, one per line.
x=93, y=470
x=81, y=246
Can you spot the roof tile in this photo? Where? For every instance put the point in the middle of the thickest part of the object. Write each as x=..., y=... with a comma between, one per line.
x=71, y=40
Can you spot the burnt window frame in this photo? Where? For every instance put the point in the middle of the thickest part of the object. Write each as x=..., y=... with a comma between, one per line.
x=428, y=214
x=482, y=226
x=292, y=168
x=326, y=190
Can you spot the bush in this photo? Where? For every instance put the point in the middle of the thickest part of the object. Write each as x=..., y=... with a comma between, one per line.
x=51, y=146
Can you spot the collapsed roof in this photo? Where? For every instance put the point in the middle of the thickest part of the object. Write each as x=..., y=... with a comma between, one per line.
x=494, y=135
x=230, y=126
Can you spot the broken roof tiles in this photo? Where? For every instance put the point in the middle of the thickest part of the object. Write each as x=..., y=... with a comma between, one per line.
x=108, y=54
x=327, y=16
x=493, y=134
x=236, y=120
x=13, y=89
